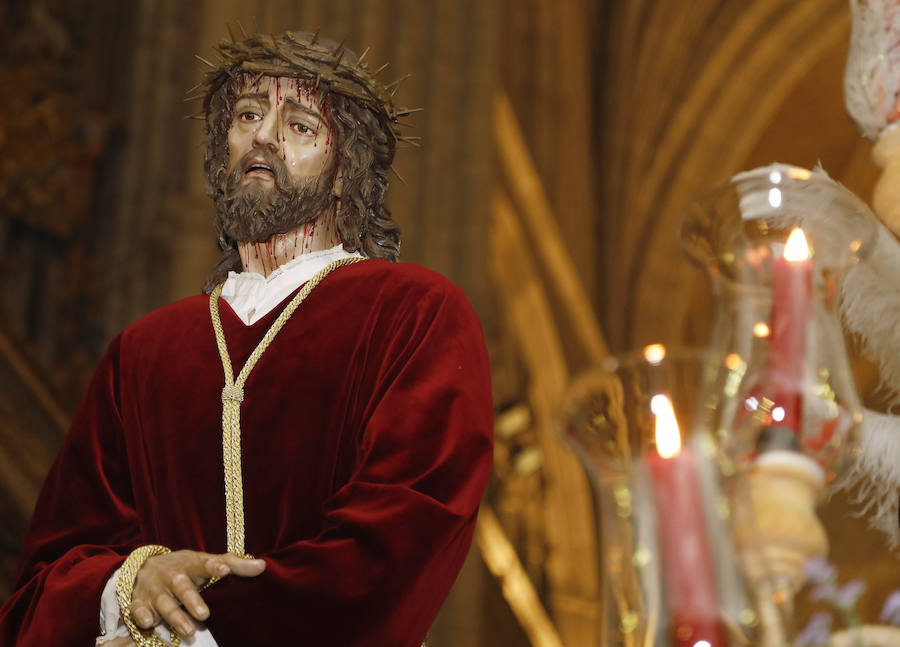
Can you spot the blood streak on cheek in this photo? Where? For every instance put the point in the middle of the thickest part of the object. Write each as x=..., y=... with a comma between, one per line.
x=279, y=122
x=326, y=114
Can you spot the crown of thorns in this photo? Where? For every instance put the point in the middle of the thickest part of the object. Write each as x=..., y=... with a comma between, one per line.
x=298, y=56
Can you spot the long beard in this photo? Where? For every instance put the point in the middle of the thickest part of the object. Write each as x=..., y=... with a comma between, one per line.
x=254, y=212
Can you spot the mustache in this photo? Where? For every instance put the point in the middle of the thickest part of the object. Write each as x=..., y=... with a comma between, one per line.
x=253, y=212
x=283, y=179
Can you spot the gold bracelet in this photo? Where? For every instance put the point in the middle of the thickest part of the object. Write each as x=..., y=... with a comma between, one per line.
x=125, y=588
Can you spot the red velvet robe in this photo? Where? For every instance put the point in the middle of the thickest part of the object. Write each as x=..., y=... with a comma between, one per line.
x=367, y=435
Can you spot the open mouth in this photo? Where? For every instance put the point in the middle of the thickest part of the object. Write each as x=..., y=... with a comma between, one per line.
x=259, y=169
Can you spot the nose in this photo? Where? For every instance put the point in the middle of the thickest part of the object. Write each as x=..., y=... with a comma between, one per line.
x=267, y=132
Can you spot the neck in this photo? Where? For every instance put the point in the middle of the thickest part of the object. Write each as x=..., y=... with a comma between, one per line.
x=265, y=257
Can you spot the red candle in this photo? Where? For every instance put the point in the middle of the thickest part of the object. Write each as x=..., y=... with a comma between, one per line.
x=792, y=294
x=687, y=557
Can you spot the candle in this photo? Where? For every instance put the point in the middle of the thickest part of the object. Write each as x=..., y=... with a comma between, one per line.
x=687, y=566
x=792, y=292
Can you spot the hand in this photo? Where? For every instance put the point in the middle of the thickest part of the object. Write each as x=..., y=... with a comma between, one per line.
x=120, y=642
x=166, y=582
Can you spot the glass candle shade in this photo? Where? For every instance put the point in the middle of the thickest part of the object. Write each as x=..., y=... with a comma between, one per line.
x=776, y=242
x=672, y=572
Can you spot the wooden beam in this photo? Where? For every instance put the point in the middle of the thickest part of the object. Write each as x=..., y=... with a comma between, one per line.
x=572, y=566
x=32, y=428
x=501, y=559
x=33, y=383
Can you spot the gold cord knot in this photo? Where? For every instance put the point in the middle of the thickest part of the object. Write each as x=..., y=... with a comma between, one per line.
x=232, y=393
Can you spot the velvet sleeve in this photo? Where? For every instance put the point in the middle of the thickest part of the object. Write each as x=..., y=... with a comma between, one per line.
x=83, y=525
x=396, y=533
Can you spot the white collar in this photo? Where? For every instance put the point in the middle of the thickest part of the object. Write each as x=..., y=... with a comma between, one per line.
x=252, y=296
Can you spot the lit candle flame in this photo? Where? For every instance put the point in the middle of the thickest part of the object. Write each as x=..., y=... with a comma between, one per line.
x=761, y=329
x=733, y=361
x=796, y=248
x=654, y=353
x=799, y=173
x=668, y=438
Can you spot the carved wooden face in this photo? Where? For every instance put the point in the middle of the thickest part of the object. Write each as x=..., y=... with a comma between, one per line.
x=281, y=115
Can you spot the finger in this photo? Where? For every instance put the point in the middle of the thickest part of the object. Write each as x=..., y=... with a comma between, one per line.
x=244, y=567
x=120, y=642
x=183, y=588
x=214, y=566
x=203, y=566
x=171, y=612
x=143, y=614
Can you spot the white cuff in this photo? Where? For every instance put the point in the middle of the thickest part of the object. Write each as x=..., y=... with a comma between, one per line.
x=112, y=626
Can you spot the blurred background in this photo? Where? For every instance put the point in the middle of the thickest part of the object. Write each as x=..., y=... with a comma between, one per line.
x=561, y=141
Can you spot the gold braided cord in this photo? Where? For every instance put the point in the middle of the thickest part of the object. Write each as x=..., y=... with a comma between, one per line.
x=124, y=590
x=233, y=395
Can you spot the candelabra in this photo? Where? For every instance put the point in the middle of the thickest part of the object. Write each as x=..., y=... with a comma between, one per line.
x=708, y=466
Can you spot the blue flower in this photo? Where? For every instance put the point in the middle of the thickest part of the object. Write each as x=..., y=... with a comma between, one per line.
x=824, y=592
x=819, y=570
x=846, y=597
x=816, y=633
x=891, y=611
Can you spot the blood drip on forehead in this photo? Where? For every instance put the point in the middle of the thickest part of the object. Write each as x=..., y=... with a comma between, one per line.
x=304, y=87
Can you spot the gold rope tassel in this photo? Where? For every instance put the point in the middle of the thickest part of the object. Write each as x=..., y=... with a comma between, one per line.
x=233, y=395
